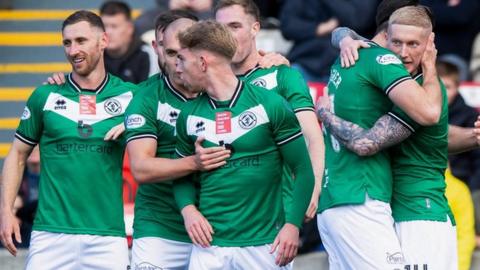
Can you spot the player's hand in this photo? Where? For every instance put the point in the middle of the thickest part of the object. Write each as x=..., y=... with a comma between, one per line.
x=199, y=229
x=349, y=50
x=57, y=78
x=209, y=158
x=115, y=132
x=271, y=59
x=312, y=207
x=9, y=227
x=476, y=130
x=323, y=103
x=430, y=55
x=286, y=244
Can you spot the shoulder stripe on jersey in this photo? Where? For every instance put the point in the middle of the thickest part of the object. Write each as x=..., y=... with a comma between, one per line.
x=97, y=90
x=289, y=139
x=25, y=139
x=400, y=120
x=304, y=109
x=234, y=99
x=141, y=136
x=179, y=153
x=395, y=83
x=173, y=90
x=418, y=76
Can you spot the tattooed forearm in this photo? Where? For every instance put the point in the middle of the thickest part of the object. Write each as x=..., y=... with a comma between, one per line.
x=364, y=142
x=341, y=32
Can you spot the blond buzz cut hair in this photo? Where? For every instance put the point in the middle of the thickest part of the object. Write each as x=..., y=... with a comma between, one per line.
x=419, y=16
x=211, y=36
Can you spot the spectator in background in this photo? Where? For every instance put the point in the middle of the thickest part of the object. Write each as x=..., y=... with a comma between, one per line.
x=456, y=25
x=309, y=24
x=465, y=166
x=461, y=204
x=144, y=24
x=126, y=56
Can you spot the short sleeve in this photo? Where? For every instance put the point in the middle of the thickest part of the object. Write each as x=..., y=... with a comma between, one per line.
x=295, y=89
x=283, y=120
x=30, y=128
x=140, y=117
x=386, y=70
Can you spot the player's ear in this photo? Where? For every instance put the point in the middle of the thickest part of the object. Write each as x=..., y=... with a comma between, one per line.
x=255, y=28
x=203, y=63
x=103, y=40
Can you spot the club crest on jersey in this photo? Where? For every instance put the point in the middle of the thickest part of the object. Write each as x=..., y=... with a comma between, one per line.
x=388, y=59
x=134, y=121
x=260, y=82
x=60, y=104
x=247, y=120
x=26, y=113
x=112, y=106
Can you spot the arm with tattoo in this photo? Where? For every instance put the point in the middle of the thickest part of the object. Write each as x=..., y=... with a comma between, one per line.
x=386, y=132
x=341, y=32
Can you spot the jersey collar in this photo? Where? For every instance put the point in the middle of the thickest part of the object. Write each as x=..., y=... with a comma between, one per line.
x=249, y=72
x=96, y=90
x=232, y=102
x=174, y=91
x=418, y=76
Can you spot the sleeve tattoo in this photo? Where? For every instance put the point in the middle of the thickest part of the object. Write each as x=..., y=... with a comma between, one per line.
x=386, y=132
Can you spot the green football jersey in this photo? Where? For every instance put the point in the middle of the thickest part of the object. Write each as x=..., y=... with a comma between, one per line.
x=153, y=114
x=242, y=200
x=288, y=83
x=285, y=81
x=80, y=189
x=419, y=165
x=359, y=94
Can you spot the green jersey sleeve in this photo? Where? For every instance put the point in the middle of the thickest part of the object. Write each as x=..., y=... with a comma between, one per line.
x=140, y=116
x=386, y=70
x=284, y=122
x=295, y=89
x=30, y=128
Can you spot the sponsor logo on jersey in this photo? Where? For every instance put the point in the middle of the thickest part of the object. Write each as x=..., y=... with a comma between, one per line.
x=26, y=113
x=388, y=59
x=395, y=258
x=259, y=82
x=112, y=106
x=147, y=266
x=64, y=148
x=200, y=126
x=223, y=122
x=60, y=104
x=253, y=161
x=84, y=130
x=247, y=120
x=134, y=121
x=88, y=104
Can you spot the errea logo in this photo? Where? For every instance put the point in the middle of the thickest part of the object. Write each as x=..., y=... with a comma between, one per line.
x=388, y=59
x=134, y=121
x=200, y=126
